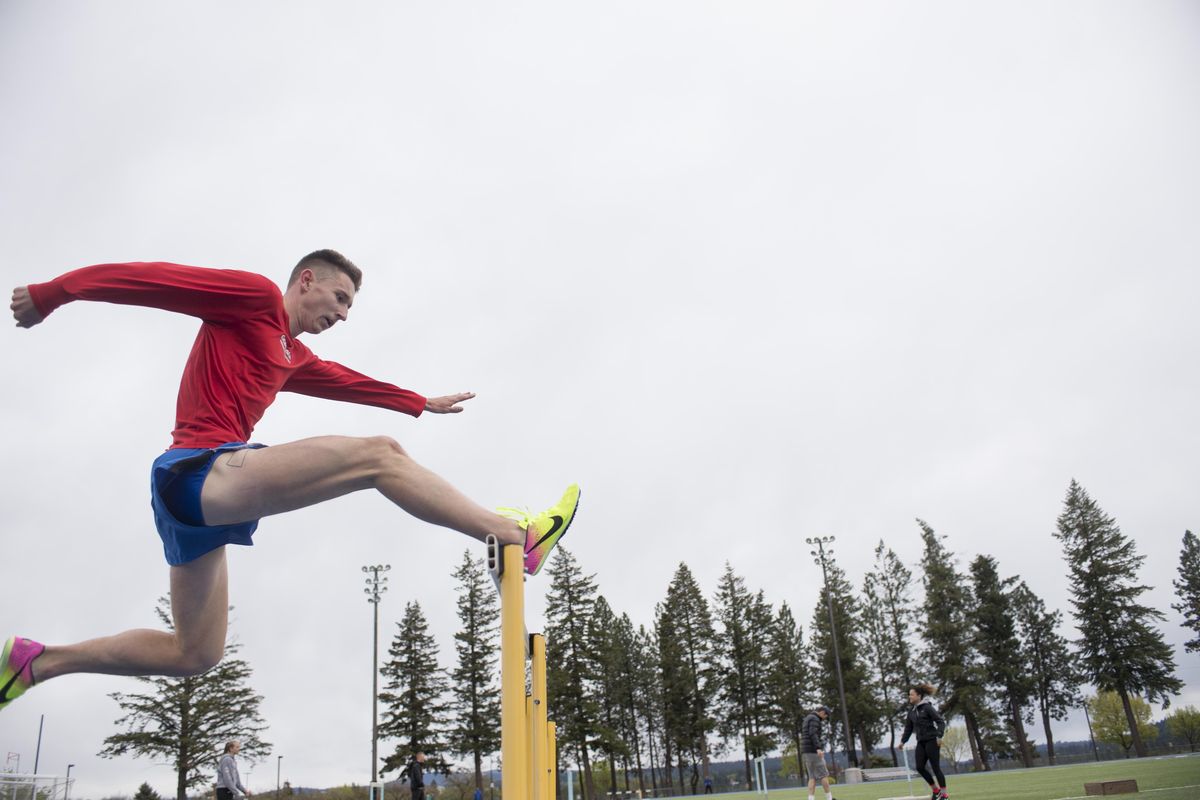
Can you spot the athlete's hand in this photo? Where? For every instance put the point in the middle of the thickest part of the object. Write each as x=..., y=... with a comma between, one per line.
x=24, y=311
x=448, y=404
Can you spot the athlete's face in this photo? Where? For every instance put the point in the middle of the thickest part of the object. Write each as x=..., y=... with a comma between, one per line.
x=325, y=298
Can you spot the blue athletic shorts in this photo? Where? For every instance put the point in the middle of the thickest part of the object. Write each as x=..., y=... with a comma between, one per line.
x=175, y=483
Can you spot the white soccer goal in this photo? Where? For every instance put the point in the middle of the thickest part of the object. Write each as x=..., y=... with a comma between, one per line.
x=17, y=786
x=760, y=775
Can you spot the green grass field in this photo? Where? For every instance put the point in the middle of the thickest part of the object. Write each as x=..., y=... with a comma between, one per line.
x=1169, y=778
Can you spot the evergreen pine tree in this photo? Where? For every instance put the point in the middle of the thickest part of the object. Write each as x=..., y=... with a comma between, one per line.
x=683, y=625
x=1188, y=589
x=414, y=705
x=144, y=792
x=862, y=706
x=1007, y=675
x=605, y=648
x=790, y=678
x=1120, y=649
x=761, y=737
x=740, y=655
x=187, y=721
x=1049, y=660
x=887, y=618
x=648, y=696
x=948, y=650
x=632, y=721
x=475, y=730
x=571, y=668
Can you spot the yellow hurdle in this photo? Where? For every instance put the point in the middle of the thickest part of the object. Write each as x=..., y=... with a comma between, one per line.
x=537, y=721
x=528, y=749
x=514, y=741
x=551, y=760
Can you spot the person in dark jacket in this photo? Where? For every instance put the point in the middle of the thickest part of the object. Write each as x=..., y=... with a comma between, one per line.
x=929, y=726
x=415, y=774
x=812, y=751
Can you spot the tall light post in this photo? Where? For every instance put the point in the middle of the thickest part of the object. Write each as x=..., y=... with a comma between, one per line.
x=278, y=764
x=37, y=754
x=67, y=788
x=819, y=554
x=376, y=586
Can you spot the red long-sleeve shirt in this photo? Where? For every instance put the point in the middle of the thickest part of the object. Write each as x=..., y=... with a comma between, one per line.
x=243, y=356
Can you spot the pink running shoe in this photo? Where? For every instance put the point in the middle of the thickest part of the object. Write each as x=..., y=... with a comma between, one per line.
x=17, y=674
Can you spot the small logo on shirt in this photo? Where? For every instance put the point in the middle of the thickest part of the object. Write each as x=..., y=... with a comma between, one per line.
x=287, y=351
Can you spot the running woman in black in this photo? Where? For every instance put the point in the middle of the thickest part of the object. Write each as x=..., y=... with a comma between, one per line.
x=929, y=725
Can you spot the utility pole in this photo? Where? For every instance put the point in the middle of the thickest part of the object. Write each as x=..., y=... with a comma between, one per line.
x=1088, y=717
x=376, y=586
x=819, y=554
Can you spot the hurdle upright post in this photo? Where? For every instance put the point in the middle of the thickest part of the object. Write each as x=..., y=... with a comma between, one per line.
x=537, y=719
x=514, y=736
x=551, y=760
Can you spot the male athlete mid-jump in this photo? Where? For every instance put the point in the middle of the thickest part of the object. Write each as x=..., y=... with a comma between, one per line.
x=211, y=487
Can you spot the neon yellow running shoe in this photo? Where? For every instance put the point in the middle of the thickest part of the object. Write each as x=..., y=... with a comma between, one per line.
x=542, y=531
x=17, y=673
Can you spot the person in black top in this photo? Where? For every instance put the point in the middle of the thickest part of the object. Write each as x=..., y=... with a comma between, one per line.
x=415, y=774
x=929, y=725
x=812, y=752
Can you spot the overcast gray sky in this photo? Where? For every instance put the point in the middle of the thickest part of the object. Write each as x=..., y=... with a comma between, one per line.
x=748, y=272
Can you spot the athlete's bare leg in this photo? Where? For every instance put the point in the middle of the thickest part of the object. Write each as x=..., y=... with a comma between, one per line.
x=199, y=608
x=250, y=484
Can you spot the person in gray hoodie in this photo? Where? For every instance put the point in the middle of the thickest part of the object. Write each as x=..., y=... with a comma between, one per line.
x=929, y=726
x=228, y=782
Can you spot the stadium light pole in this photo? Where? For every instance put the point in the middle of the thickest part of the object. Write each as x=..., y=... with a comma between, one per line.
x=37, y=754
x=376, y=586
x=67, y=787
x=819, y=554
x=278, y=764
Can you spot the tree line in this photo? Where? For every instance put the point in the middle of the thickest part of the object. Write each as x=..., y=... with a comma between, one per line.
x=647, y=706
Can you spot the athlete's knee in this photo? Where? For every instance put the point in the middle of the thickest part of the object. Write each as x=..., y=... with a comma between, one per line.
x=197, y=658
x=385, y=454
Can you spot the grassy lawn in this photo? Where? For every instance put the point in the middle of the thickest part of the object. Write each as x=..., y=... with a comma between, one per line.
x=1171, y=778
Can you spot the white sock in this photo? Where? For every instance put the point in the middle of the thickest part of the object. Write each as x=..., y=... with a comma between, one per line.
x=812, y=797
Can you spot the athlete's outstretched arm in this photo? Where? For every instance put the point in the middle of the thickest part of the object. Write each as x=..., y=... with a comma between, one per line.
x=23, y=308
x=216, y=295
x=332, y=381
